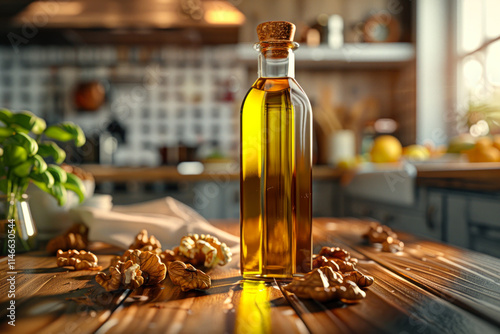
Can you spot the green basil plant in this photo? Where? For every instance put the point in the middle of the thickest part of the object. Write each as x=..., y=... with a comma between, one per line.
x=25, y=148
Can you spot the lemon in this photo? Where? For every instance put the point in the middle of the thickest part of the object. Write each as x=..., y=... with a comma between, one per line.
x=416, y=152
x=386, y=148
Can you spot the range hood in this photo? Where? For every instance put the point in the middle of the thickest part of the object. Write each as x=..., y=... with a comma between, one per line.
x=90, y=18
x=116, y=14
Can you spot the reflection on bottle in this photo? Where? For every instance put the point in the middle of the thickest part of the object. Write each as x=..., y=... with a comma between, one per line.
x=254, y=311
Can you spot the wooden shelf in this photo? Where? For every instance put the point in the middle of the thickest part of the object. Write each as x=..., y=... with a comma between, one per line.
x=351, y=55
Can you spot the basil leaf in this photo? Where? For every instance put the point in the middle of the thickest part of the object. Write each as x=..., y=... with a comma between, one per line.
x=14, y=155
x=29, y=121
x=59, y=174
x=74, y=184
x=44, y=178
x=40, y=166
x=66, y=131
x=51, y=149
x=24, y=168
x=23, y=140
x=60, y=193
x=35, y=164
x=6, y=116
x=6, y=132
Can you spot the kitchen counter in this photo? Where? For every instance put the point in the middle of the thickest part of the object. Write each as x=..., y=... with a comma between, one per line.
x=171, y=174
x=463, y=175
x=460, y=175
x=430, y=287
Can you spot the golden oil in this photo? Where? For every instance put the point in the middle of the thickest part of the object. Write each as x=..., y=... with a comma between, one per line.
x=275, y=180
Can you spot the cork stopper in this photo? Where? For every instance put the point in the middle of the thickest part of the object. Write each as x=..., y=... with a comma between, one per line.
x=276, y=31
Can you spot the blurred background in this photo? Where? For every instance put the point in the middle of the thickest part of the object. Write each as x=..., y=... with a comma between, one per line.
x=157, y=86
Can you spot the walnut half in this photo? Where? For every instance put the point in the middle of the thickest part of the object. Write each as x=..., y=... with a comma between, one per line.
x=74, y=238
x=188, y=277
x=80, y=260
x=144, y=242
x=323, y=284
x=204, y=249
x=138, y=268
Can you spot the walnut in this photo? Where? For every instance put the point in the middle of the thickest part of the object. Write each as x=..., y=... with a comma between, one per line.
x=392, y=245
x=145, y=243
x=74, y=238
x=204, y=250
x=80, y=260
x=187, y=276
x=334, y=252
x=323, y=285
x=152, y=267
x=344, y=266
x=171, y=255
x=127, y=275
x=110, y=281
x=138, y=268
x=381, y=234
x=123, y=258
x=321, y=261
x=334, y=263
x=334, y=277
x=359, y=278
x=349, y=292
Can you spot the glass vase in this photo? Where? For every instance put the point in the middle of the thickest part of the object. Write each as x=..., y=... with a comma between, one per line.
x=17, y=229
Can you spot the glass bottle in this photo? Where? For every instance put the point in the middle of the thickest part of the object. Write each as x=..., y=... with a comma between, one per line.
x=276, y=163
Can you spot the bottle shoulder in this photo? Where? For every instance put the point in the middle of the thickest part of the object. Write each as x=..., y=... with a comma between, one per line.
x=269, y=84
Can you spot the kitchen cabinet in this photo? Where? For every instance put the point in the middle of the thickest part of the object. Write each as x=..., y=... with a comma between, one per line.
x=423, y=218
x=474, y=221
x=463, y=218
x=221, y=200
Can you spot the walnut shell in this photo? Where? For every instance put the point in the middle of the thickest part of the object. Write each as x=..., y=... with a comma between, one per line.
x=188, y=277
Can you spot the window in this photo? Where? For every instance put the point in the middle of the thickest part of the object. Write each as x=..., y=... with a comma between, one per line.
x=478, y=68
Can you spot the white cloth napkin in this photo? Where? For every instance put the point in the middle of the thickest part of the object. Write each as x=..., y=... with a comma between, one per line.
x=167, y=219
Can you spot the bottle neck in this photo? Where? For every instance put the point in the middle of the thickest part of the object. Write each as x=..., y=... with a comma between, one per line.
x=276, y=60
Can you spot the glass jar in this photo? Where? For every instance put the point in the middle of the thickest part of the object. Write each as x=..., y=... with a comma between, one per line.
x=17, y=229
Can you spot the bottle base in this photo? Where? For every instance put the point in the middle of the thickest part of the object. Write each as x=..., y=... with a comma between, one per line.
x=270, y=277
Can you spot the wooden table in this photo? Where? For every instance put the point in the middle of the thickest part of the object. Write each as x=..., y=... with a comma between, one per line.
x=429, y=288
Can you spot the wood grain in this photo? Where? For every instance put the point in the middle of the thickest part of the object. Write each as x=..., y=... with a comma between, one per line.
x=429, y=288
x=467, y=279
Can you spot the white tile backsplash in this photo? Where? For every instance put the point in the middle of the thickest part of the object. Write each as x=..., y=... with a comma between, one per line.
x=178, y=96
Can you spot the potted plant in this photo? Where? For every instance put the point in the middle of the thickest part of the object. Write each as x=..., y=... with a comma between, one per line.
x=27, y=155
